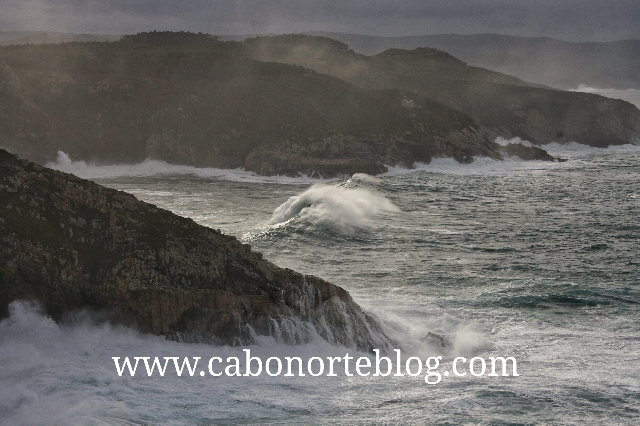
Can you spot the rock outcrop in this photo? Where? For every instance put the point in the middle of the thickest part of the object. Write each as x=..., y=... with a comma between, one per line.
x=526, y=152
x=71, y=244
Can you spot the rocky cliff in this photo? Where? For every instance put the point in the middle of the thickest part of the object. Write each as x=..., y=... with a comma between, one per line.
x=279, y=105
x=72, y=244
x=192, y=99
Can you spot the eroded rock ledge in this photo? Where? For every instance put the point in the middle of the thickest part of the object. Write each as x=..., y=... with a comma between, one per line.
x=71, y=244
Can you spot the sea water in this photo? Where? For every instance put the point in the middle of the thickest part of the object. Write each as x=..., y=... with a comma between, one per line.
x=535, y=260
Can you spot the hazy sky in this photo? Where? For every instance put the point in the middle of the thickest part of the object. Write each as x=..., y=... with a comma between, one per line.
x=572, y=20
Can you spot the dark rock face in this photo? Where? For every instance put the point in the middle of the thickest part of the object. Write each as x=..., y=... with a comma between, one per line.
x=428, y=135
x=526, y=152
x=70, y=244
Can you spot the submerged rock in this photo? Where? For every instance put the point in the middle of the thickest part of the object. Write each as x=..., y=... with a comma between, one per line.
x=72, y=244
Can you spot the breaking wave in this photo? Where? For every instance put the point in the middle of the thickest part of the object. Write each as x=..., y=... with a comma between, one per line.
x=344, y=209
x=155, y=168
x=504, y=142
x=574, y=152
x=481, y=166
x=56, y=373
x=63, y=374
x=572, y=149
x=629, y=95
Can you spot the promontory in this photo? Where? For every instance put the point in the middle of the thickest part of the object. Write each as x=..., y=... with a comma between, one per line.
x=71, y=245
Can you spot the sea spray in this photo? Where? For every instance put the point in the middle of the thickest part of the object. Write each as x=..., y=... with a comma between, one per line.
x=504, y=142
x=340, y=208
x=572, y=149
x=42, y=357
x=578, y=156
x=629, y=95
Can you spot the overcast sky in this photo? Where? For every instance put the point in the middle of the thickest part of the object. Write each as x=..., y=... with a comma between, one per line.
x=571, y=20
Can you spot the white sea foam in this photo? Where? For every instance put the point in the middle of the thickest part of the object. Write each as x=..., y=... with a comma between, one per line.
x=343, y=209
x=481, y=166
x=463, y=339
x=155, y=168
x=629, y=95
x=572, y=149
x=365, y=178
x=55, y=374
x=64, y=374
x=574, y=152
x=504, y=142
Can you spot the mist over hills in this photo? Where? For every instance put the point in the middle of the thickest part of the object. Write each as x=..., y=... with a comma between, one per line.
x=500, y=104
x=280, y=105
x=542, y=60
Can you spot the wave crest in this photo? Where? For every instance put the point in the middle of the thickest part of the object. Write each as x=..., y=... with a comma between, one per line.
x=344, y=209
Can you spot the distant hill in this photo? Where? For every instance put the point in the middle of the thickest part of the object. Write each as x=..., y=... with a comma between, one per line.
x=500, y=104
x=192, y=99
x=542, y=60
x=43, y=37
x=280, y=105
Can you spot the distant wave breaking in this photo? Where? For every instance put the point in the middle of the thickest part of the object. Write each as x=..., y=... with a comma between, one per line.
x=480, y=166
x=572, y=149
x=629, y=95
x=155, y=168
x=574, y=152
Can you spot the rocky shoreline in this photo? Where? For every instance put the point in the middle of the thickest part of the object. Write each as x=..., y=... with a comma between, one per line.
x=71, y=244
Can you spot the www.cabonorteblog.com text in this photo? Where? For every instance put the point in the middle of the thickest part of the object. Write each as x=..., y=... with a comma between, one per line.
x=318, y=366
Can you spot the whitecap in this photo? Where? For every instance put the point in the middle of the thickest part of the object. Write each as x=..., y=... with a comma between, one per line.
x=344, y=209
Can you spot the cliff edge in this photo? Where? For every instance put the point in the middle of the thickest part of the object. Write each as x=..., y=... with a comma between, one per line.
x=72, y=244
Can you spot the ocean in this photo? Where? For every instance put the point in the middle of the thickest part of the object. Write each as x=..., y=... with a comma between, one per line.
x=535, y=260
